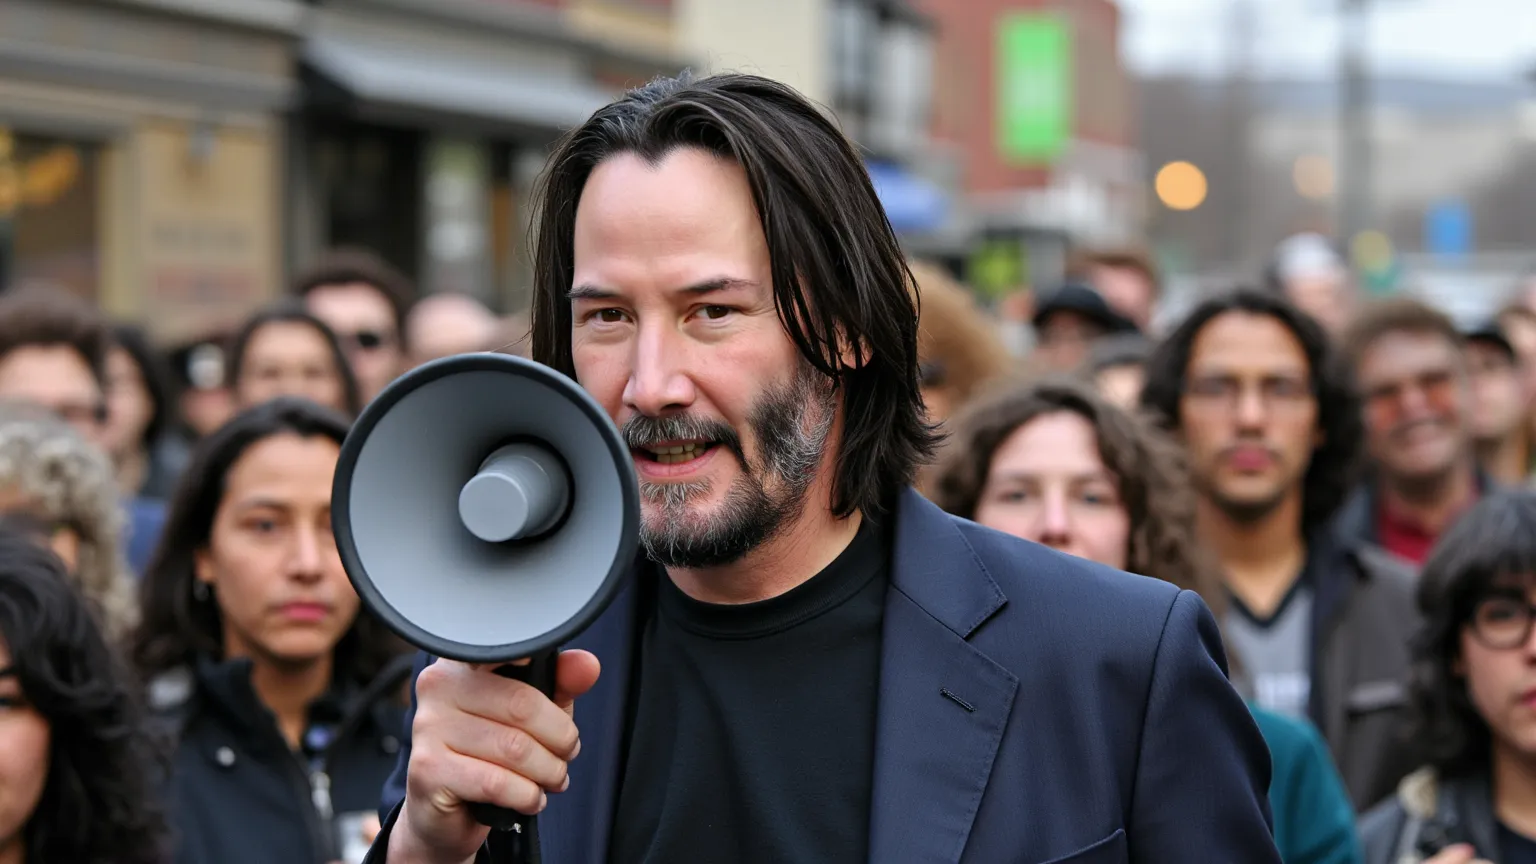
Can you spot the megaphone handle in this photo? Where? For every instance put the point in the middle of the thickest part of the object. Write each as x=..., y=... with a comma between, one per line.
x=539, y=672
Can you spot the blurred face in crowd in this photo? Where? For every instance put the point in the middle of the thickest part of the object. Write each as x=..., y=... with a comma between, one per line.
x=1521, y=332
x=1324, y=295
x=938, y=399
x=365, y=322
x=129, y=405
x=271, y=559
x=1248, y=415
x=442, y=325
x=1121, y=384
x=1047, y=483
x=288, y=358
x=1417, y=402
x=1063, y=339
x=1498, y=392
x=676, y=333
x=1500, y=667
x=25, y=741
x=59, y=379
x=63, y=539
x=1128, y=291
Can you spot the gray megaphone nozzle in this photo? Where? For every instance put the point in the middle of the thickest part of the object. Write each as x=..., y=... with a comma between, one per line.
x=520, y=491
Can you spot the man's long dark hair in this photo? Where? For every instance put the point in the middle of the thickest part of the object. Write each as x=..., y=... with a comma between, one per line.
x=839, y=277
x=98, y=805
x=1331, y=472
x=177, y=626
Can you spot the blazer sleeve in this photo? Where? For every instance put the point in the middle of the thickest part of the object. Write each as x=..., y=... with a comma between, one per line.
x=1202, y=774
x=394, y=787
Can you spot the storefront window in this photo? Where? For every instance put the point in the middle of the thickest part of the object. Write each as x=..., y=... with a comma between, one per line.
x=370, y=182
x=49, y=209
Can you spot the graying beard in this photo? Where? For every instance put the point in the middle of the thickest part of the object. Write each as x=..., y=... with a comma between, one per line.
x=791, y=449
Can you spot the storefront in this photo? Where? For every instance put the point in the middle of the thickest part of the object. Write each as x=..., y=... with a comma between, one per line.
x=141, y=151
x=423, y=126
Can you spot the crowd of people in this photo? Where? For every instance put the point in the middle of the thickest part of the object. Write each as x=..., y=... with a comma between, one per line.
x=187, y=675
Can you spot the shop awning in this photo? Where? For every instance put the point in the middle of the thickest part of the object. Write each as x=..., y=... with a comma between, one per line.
x=438, y=83
x=911, y=203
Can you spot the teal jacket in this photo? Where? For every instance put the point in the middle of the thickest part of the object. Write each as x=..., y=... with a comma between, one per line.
x=1314, y=821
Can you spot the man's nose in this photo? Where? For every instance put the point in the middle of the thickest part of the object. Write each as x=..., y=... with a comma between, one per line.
x=658, y=378
x=1251, y=410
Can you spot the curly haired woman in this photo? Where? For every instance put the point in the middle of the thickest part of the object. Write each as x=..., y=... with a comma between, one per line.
x=51, y=476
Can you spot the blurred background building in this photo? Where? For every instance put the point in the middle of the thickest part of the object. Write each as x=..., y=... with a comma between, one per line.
x=176, y=160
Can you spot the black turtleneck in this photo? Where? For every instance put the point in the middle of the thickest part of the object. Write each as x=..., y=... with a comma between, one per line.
x=752, y=738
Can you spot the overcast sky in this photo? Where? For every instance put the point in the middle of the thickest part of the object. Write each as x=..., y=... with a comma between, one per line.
x=1455, y=38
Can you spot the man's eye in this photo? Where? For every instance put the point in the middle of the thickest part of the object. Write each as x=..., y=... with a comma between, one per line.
x=609, y=316
x=715, y=313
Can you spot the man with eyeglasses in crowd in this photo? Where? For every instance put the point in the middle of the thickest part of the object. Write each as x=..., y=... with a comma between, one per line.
x=1318, y=628
x=365, y=301
x=1411, y=366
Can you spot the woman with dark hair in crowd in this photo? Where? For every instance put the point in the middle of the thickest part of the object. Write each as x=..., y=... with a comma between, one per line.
x=77, y=763
x=1473, y=697
x=1056, y=463
x=284, y=690
x=285, y=351
x=141, y=417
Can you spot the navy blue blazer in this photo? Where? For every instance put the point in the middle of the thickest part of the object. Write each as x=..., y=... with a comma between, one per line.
x=1099, y=726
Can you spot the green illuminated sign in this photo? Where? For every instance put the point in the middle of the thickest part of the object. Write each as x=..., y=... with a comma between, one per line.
x=1034, y=87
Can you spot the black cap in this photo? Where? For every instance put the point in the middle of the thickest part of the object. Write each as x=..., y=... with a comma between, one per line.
x=1491, y=332
x=1083, y=300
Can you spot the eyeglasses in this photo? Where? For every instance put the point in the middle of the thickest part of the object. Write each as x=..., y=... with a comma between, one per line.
x=367, y=340
x=1437, y=386
x=1503, y=621
x=1224, y=393
x=82, y=414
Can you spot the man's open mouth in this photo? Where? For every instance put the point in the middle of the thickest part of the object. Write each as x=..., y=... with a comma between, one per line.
x=673, y=452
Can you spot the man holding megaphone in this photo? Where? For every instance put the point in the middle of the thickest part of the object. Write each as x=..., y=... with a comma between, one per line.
x=809, y=662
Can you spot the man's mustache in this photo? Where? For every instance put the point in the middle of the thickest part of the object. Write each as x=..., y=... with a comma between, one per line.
x=641, y=431
x=1402, y=429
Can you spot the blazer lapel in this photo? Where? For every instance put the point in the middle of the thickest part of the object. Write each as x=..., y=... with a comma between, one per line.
x=943, y=704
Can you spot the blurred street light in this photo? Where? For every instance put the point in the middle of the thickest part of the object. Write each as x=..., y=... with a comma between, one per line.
x=1180, y=186
x=1313, y=176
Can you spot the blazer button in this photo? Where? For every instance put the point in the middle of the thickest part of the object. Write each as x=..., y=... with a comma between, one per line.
x=225, y=756
x=390, y=745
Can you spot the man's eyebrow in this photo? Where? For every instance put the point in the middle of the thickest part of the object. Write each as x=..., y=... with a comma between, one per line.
x=590, y=291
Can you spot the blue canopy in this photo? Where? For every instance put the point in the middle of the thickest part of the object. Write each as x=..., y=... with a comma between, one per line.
x=910, y=202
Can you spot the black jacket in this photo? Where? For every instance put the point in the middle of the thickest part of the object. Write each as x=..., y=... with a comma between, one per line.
x=1364, y=622
x=1427, y=814
x=240, y=795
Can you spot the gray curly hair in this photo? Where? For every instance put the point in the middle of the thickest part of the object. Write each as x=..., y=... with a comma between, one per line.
x=60, y=477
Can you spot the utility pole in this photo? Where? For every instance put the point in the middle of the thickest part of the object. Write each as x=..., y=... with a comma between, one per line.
x=1242, y=45
x=1355, y=164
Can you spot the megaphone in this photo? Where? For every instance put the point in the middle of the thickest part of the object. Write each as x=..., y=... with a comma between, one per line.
x=486, y=510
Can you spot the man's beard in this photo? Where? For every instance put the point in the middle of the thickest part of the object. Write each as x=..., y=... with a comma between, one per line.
x=1246, y=512
x=790, y=425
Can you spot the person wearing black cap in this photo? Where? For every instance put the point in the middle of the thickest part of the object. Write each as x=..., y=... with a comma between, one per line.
x=1498, y=404
x=1068, y=321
